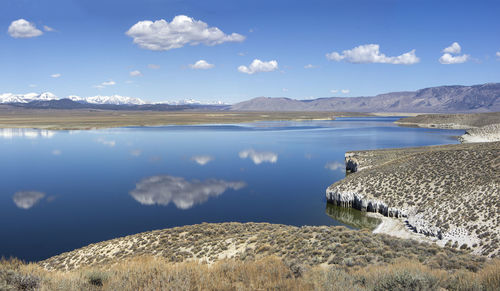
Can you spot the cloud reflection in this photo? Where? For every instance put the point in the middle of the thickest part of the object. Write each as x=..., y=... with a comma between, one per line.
x=10, y=133
x=27, y=199
x=202, y=160
x=184, y=194
x=109, y=143
x=259, y=157
x=335, y=166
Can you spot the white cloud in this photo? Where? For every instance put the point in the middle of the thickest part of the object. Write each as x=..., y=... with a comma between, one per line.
x=201, y=65
x=48, y=28
x=309, y=66
x=153, y=66
x=498, y=55
x=55, y=75
x=135, y=73
x=259, y=157
x=22, y=28
x=454, y=48
x=161, y=35
x=284, y=89
x=109, y=143
x=448, y=59
x=202, y=160
x=450, y=55
x=345, y=91
x=56, y=152
x=334, y=166
x=259, y=66
x=334, y=91
x=370, y=53
x=184, y=194
x=27, y=199
x=105, y=84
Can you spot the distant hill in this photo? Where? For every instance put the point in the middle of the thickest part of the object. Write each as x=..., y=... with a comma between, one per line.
x=443, y=99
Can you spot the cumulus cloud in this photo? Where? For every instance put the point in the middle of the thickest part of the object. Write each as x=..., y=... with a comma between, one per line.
x=162, y=190
x=310, y=66
x=259, y=157
x=161, y=35
x=105, y=84
x=135, y=73
x=153, y=66
x=259, y=66
x=202, y=160
x=22, y=28
x=448, y=59
x=334, y=166
x=55, y=75
x=454, y=48
x=370, y=53
x=27, y=199
x=450, y=55
x=201, y=65
x=345, y=91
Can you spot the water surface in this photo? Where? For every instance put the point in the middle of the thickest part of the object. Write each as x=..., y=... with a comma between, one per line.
x=60, y=190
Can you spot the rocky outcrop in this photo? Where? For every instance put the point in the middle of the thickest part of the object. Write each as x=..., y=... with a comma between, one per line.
x=448, y=193
x=488, y=133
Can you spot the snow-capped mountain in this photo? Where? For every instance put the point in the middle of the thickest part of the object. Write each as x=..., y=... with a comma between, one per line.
x=191, y=102
x=114, y=100
x=97, y=100
x=26, y=98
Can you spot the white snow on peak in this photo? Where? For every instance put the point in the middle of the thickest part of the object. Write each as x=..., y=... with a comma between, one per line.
x=114, y=99
x=26, y=98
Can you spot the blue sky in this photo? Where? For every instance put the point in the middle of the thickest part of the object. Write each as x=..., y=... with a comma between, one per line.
x=89, y=46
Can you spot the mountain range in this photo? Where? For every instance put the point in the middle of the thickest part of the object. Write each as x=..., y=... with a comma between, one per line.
x=442, y=99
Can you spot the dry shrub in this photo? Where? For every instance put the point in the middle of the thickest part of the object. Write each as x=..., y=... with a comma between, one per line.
x=268, y=273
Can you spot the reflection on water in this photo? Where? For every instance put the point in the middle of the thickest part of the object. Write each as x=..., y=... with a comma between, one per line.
x=259, y=157
x=10, y=133
x=184, y=194
x=27, y=199
x=335, y=166
x=351, y=217
x=202, y=160
x=111, y=182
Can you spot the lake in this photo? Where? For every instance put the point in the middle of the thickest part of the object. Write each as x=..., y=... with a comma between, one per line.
x=61, y=190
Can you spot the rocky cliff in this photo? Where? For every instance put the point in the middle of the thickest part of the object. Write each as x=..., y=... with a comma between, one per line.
x=450, y=193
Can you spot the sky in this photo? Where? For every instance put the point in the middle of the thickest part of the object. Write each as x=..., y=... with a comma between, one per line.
x=231, y=51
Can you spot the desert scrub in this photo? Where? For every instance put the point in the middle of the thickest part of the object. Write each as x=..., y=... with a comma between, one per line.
x=335, y=246
x=449, y=192
x=266, y=273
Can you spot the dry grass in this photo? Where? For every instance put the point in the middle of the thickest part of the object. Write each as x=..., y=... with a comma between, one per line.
x=308, y=246
x=267, y=273
x=88, y=119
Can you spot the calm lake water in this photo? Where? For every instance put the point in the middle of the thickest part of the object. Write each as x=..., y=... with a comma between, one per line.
x=60, y=190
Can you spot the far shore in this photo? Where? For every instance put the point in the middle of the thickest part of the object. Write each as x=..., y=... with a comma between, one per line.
x=95, y=119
